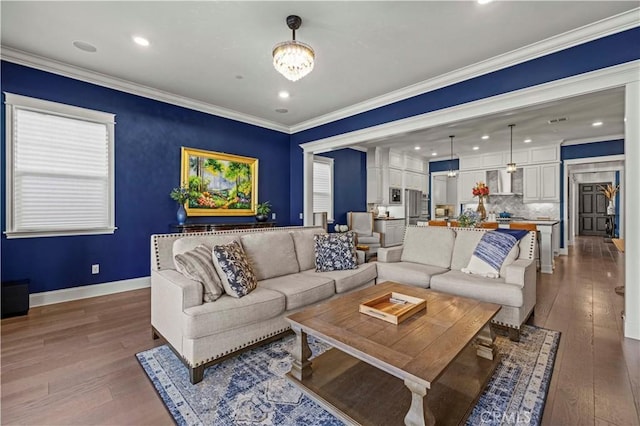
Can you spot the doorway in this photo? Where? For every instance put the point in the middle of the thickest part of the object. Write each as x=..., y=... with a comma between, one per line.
x=592, y=210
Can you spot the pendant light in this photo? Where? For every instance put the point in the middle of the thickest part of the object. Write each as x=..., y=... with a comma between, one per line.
x=451, y=173
x=293, y=59
x=511, y=166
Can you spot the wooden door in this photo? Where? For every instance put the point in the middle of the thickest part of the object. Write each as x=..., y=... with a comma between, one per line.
x=592, y=219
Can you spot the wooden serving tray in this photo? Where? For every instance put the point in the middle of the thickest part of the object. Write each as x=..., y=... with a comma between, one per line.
x=385, y=309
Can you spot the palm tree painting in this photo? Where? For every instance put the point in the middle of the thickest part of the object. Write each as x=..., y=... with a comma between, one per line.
x=219, y=184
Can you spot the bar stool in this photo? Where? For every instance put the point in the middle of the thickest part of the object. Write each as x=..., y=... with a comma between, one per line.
x=530, y=227
x=489, y=225
x=437, y=223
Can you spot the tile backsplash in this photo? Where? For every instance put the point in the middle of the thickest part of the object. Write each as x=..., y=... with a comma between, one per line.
x=514, y=205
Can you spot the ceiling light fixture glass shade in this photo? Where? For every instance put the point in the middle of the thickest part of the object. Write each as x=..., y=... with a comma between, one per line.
x=293, y=59
x=511, y=166
x=451, y=173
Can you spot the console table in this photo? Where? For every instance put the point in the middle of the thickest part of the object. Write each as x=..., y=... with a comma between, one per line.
x=204, y=227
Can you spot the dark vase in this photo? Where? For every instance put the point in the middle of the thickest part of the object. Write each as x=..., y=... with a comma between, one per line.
x=181, y=215
x=262, y=217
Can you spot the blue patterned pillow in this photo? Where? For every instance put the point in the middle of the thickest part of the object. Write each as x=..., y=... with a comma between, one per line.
x=234, y=269
x=335, y=252
x=493, y=250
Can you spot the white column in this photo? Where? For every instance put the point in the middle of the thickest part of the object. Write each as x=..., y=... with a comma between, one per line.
x=632, y=210
x=307, y=188
x=546, y=249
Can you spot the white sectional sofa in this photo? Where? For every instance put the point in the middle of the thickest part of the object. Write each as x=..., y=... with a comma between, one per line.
x=433, y=256
x=284, y=263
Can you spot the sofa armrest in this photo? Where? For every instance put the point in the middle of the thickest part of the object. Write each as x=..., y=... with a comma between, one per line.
x=519, y=272
x=171, y=294
x=390, y=254
x=361, y=256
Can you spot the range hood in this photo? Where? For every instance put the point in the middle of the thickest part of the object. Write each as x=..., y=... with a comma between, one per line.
x=502, y=180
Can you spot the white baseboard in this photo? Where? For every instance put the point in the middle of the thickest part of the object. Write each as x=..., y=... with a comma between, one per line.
x=84, y=292
x=564, y=251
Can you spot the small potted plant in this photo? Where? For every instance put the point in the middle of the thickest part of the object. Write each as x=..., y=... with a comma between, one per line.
x=262, y=211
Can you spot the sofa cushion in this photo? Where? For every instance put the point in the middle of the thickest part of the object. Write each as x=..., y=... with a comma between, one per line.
x=197, y=264
x=272, y=254
x=494, y=290
x=186, y=244
x=429, y=245
x=494, y=250
x=374, y=239
x=349, y=279
x=228, y=313
x=465, y=244
x=234, y=269
x=305, y=247
x=411, y=273
x=301, y=289
x=335, y=252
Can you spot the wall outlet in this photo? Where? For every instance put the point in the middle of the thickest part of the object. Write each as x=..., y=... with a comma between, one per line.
x=95, y=268
x=273, y=216
x=301, y=216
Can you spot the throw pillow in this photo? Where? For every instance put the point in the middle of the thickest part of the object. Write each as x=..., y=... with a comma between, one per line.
x=234, y=269
x=493, y=250
x=197, y=265
x=335, y=252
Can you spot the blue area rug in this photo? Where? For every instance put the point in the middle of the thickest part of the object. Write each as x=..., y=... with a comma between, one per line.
x=250, y=389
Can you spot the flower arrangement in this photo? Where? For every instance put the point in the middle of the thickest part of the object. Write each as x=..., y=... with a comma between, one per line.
x=468, y=218
x=609, y=191
x=480, y=190
x=180, y=194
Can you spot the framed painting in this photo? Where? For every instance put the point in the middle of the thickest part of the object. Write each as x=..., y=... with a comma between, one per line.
x=219, y=184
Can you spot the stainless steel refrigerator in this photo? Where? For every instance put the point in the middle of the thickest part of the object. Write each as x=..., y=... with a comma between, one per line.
x=412, y=200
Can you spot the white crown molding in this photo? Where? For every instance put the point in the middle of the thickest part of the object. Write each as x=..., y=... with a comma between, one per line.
x=593, y=81
x=84, y=292
x=49, y=65
x=605, y=138
x=590, y=32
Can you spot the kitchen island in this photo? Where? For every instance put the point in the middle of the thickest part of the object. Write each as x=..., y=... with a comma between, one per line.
x=549, y=230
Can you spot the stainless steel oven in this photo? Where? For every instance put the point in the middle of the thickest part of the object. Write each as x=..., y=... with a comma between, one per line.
x=395, y=195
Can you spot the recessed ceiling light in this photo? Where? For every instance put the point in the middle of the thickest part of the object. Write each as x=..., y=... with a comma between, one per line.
x=527, y=141
x=596, y=123
x=484, y=1
x=283, y=94
x=417, y=148
x=433, y=154
x=485, y=137
x=475, y=148
x=84, y=46
x=141, y=41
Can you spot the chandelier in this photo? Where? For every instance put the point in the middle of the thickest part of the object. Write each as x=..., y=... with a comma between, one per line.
x=511, y=166
x=452, y=172
x=293, y=59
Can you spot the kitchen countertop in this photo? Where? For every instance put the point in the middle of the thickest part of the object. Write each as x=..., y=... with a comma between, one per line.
x=389, y=218
x=537, y=221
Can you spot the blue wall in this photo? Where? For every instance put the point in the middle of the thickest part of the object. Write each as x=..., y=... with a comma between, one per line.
x=148, y=138
x=349, y=182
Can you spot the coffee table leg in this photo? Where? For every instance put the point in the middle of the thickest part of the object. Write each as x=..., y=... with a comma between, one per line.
x=485, y=341
x=419, y=413
x=301, y=366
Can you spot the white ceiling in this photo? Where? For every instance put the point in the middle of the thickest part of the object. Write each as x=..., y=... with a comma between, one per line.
x=219, y=53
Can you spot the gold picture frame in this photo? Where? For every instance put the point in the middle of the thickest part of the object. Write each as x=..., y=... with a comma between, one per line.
x=220, y=184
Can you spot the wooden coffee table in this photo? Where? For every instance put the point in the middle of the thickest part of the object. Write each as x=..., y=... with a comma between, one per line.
x=422, y=370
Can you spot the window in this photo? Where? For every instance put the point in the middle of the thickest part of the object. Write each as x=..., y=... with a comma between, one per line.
x=323, y=186
x=59, y=169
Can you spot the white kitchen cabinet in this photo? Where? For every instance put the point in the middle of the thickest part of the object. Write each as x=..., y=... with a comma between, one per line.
x=414, y=180
x=395, y=178
x=541, y=183
x=374, y=185
x=392, y=231
x=466, y=182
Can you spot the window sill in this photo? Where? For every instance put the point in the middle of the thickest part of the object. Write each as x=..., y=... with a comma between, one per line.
x=38, y=234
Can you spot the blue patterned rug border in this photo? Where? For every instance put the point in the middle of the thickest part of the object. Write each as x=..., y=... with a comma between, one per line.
x=505, y=410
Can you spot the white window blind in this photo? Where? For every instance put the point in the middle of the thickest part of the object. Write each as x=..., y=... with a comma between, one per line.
x=323, y=186
x=60, y=170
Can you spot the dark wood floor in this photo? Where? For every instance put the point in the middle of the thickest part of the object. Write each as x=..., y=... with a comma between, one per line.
x=73, y=363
